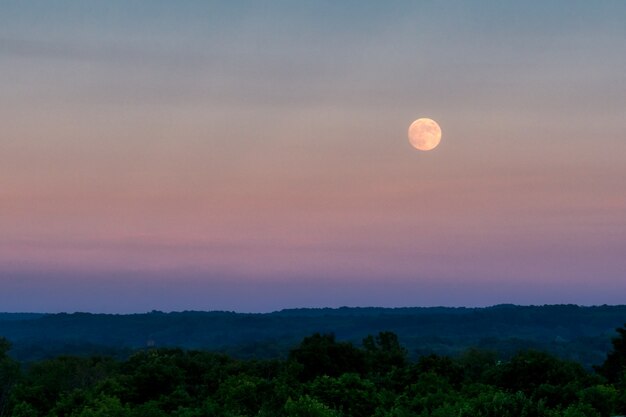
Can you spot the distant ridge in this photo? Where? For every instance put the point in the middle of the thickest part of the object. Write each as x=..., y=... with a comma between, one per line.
x=569, y=331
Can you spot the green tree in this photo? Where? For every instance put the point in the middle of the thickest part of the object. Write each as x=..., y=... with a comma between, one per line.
x=614, y=367
x=477, y=362
x=306, y=406
x=243, y=394
x=502, y=404
x=152, y=374
x=384, y=352
x=580, y=410
x=350, y=394
x=9, y=372
x=24, y=409
x=148, y=409
x=442, y=366
x=603, y=398
x=103, y=406
x=323, y=355
x=528, y=370
x=429, y=392
x=45, y=382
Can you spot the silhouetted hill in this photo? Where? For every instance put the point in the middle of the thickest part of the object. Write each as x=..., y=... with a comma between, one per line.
x=572, y=332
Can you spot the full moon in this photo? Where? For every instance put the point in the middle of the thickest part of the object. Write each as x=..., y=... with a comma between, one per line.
x=424, y=134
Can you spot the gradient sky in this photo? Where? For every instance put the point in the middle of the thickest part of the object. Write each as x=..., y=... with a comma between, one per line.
x=253, y=156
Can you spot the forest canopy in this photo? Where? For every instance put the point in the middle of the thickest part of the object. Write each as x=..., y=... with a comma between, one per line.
x=321, y=376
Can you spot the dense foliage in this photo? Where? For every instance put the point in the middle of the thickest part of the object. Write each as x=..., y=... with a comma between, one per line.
x=580, y=334
x=321, y=377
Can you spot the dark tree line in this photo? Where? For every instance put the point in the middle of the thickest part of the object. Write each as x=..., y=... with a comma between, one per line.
x=321, y=377
x=581, y=334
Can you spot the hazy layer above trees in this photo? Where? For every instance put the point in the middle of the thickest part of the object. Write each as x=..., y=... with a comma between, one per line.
x=572, y=332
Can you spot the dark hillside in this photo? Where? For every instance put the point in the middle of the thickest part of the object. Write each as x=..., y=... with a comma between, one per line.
x=571, y=332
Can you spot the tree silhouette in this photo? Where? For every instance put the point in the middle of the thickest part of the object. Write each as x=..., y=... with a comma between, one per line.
x=321, y=354
x=9, y=371
x=614, y=367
